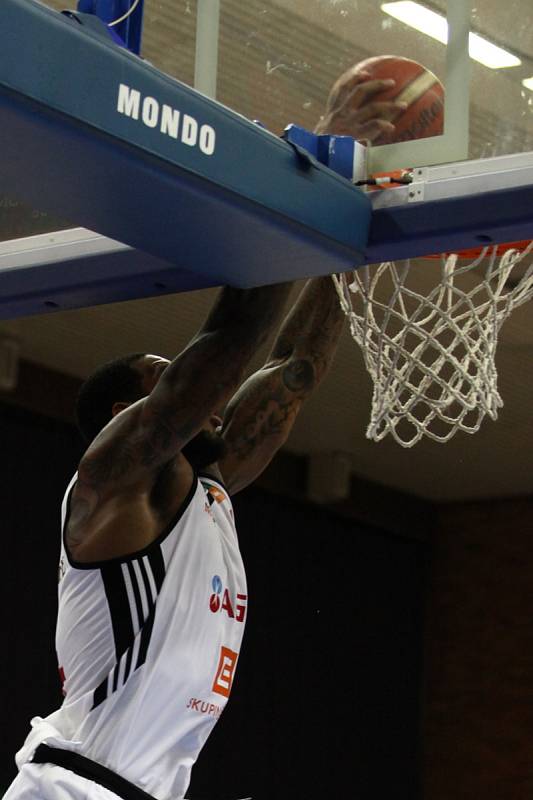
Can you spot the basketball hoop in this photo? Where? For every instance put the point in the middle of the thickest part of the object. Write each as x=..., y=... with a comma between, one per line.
x=432, y=356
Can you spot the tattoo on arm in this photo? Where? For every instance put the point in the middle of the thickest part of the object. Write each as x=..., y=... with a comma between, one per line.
x=81, y=511
x=203, y=377
x=110, y=464
x=299, y=375
x=267, y=420
x=82, y=505
x=271, y=400
x=313, y=327
x=263, y=411
x=162, y=438
x=146, y=445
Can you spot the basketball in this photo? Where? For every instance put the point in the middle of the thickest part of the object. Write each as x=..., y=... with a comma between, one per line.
x=416, y=86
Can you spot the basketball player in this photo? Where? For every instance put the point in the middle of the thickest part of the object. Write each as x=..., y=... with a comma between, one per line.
x=352, y=111
x=152, y=593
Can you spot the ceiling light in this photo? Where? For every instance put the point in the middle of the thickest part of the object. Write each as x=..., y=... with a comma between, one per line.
x=489, y=54
x=435, y=25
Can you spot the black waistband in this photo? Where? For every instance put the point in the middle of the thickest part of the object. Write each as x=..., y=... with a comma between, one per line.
x=91, y=770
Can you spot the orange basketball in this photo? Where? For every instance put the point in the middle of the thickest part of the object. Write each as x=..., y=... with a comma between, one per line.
x=416, y=86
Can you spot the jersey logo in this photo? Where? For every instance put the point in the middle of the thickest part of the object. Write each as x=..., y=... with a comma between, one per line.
x=215, y=494
x=225, y=672
x=221, y=601
x=208, y=511
x=203, y=707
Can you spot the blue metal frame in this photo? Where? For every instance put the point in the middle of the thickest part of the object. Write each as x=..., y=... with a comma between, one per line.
x=244, y=208
x=253, y=210
x=129, y=32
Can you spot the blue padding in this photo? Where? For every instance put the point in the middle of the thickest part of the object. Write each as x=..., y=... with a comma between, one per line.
x=453, y=224
x=252, y=212
x=336, y=152
x=91, y=281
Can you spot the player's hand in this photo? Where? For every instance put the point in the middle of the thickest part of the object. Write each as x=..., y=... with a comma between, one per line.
x=351, y=111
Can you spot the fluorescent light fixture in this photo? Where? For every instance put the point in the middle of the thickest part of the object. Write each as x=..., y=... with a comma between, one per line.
x=528, y=83
x=435, y=25
x=489, y=54
x=419, y=17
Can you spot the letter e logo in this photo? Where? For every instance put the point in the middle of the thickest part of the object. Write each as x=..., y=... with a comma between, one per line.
x=226, y=668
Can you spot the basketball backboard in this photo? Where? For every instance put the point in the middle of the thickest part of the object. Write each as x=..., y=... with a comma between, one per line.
x=278, y=60
x=275, y=61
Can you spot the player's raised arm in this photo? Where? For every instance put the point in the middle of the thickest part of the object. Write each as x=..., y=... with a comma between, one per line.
x=187, y=390
x=262, y=412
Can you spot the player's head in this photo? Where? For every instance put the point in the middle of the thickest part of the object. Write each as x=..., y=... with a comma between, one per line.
x=117, y=384
x=117, y=381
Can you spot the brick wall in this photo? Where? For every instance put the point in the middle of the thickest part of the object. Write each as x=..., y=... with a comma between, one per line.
x=478, y=721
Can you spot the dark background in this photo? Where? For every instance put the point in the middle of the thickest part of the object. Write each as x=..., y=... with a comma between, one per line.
x=328, y=696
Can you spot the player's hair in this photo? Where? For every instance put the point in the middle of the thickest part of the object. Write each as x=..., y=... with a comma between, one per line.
x=113, y=382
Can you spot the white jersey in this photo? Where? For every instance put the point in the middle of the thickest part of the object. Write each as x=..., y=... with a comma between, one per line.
x=148, y=644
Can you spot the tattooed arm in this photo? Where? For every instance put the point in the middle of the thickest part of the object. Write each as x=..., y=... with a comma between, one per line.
x=198, y=381
x=261, y=414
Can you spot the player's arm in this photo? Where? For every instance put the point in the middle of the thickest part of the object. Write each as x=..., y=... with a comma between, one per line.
x=262, y=412
x=199, y=381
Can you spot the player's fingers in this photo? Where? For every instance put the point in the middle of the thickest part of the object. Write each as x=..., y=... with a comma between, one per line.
x=352, y=79
x=349, y=123
x=388, y=110
x=364, y=90
x=372, y=130
x=344, y=87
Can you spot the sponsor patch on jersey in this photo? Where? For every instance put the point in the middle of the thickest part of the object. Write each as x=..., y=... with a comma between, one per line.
x=225, y=672
x=62, y=679
x=204, y=707
x=221, y=600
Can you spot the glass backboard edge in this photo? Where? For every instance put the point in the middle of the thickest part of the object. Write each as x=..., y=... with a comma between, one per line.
x=453, y=144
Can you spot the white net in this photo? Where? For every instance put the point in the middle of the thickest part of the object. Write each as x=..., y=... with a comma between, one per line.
x=432, y=356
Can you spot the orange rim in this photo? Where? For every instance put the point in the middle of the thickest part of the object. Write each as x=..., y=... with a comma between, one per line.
x=474, y=252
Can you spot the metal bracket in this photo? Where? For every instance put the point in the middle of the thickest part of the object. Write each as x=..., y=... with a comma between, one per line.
x=416, y=192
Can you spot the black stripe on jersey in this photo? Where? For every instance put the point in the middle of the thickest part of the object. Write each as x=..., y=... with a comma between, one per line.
x=119, y=607
x=147, y=587
x=100, y=694
x=157, y=564
x=127, y=669
x=136, y=593
x=115, y=675
x=146, y=635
